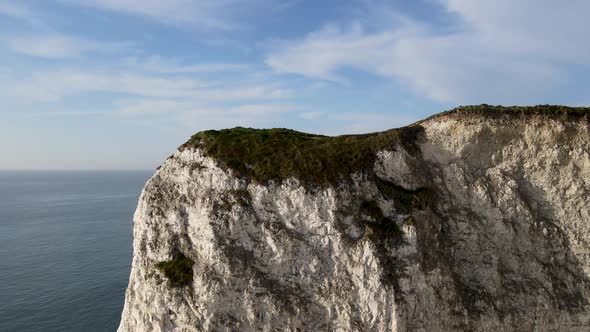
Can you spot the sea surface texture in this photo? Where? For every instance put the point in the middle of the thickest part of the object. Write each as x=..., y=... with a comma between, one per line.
x=65, y=248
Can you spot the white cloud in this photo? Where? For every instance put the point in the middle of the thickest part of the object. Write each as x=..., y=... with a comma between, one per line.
x=167, y=11
x=18, y=11
x=497, y=52
x=198, y=115
x=321, y=54
x=139, y=107
x=13, y=10
x=340, y=123
x=247, y=115
x=148, y=107
x=548, y=29
x=208, y=14
x=56, y=84
x=148, y=99
x=46, y=42
x=157, y=64
x=59, y=46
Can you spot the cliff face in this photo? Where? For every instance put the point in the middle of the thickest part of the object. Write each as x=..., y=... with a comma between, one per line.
x=478, y=220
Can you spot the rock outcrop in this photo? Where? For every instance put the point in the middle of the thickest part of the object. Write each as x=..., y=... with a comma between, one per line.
x=477, y=219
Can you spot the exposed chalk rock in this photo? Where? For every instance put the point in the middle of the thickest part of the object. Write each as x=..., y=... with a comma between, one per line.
x=481, y=222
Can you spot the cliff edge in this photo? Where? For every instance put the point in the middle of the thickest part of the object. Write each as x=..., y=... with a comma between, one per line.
x=476, y=219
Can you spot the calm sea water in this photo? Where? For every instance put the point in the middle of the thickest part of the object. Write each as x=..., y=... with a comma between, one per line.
x=65, y=248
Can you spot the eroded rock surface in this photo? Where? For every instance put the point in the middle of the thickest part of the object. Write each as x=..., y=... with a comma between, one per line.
x=485, y=226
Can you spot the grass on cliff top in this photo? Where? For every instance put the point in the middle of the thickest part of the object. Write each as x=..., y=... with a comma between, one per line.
x=277, y=154
x=179, y=270
x=491, y=110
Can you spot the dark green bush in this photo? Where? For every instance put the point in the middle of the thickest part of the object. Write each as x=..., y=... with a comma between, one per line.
x=179, y=270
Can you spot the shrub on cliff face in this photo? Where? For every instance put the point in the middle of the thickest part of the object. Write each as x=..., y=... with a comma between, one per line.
x=179, y=270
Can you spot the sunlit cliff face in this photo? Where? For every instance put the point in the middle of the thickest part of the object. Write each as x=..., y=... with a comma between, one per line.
x=479, y=220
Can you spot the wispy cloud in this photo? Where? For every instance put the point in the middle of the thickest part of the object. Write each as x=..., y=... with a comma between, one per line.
x=202, y=13
x=249, y=115
x=197, y=108
x=504, y=52
x=207, y=14
x=56, y=84
x=60, y=46
x=338, y=123
x=194, y=115
x=157, y=64
x=19, y=11
x=13, y=10
x=45, y=41
x=177, y=91
x=321, y=54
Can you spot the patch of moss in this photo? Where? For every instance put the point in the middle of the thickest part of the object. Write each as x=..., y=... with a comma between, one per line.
x=179, y=270
x=379, y=225
x=276, y=154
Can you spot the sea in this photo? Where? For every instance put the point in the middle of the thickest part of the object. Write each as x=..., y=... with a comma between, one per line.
x=65, y=248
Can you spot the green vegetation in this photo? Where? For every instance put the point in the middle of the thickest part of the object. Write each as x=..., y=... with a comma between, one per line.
x=179, y=270
x=490, y=110
x=265, y=155
x=276, y=154
x=379, y=224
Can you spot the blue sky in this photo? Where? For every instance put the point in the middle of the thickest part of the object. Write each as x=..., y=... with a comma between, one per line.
x=119, y=84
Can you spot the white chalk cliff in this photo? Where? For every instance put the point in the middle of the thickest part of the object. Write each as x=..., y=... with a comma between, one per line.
x=481, y=222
